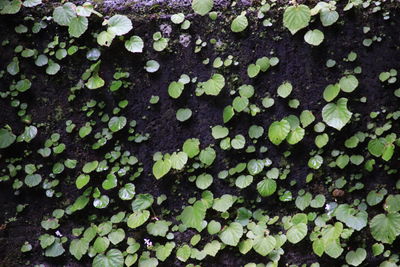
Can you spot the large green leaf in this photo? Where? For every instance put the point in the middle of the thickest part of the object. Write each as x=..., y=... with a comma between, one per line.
x=78, y=248
x=337, y=115
x=135, y=44
x=64, y=14
x=202, y=7
x=385, y=227
x=214, y=85
x=266, y=187
x=240, y=23
x=264, y=245
x=356, y=219
x=355, y=258
x=232, y=234
x=119, y=25
x=137, y=218
x=77, y=26
x=6, y=138
x=314, y=37
x=296, y=17
x=113, y=258
x=193, y=216
x=296, y=233
x=161, y=168
x=278, y=131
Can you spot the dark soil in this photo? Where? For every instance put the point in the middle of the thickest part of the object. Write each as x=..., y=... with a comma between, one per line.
x=299, y=63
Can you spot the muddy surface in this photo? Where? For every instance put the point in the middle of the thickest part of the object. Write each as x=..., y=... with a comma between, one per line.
x=301, y=64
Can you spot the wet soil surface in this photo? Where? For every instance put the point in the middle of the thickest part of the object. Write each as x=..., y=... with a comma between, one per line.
x=299, y=63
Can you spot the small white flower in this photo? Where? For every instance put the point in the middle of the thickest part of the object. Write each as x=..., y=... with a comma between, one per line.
x=58, y=233
x=148, y=242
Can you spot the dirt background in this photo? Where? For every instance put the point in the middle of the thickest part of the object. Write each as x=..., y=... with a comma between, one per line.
x=301, y=64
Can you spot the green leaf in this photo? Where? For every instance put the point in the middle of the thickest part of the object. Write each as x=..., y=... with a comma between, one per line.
x=178, y=18
x=105, y=38
x=342, y=161
x=183, y=114
x=78, y=248
x=90, y=166
x=23, y=85
x=135, y=44
x=244, y=181
x=348, y=83
x=266, y=187
x=303, y=201
x=207, y=156
x=161, y=168
x=101, y=202
x=202, y=7
x=163, y=251
x=113, y=258
x=214, y=85
x=64, y=14
x=264, y=245
x=191, y=147
x=82, y=180
x=175, y=89
x=239, y=24
x=46, y=240
x=295, y=135
x=296, y=233
x=7, y=138
x=116, y=236
x=356, y=219
x=253, y=70
x=203, y=181
x=255, y=166
x=193, y=216
x=385, y=227
x=142, y=201
x=331, y=92
x=336, y=115
x=127, y=192
x=392, y=203
x=152, y=66
x=52, y=68
x=219, y=132
x=355, y=258
x=296, y=17
x=306, y=118
x=183, y=253
x=328, y=17
x=55, y=250
x=10, y=7
x=318, y=247
x=77, y=26
x=94, y=82
x=223, y=203
x=137, y=218
x=228, y=113
x=231, y=235
x=178, y=160
x=158, y=228
x=278, y=131
x=119, y=25
x=321, y=140
x=314, y=37
x=285, y=89
x=116, y=124
x=31, y=3
x=333, y=248
x=376, y=146
x=33, y=180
